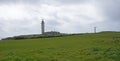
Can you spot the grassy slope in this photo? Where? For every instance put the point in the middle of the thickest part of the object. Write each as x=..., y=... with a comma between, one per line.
x=87, y=47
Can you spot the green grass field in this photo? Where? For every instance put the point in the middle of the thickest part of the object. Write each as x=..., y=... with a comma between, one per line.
x=82, y=47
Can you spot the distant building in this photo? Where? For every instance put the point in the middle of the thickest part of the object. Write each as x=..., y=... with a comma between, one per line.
x=50, y=33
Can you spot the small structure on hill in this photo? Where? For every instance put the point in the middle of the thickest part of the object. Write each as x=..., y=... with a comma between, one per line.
x=50, y=33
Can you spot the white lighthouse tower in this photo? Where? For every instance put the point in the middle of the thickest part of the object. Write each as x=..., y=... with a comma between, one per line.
x=42, y=26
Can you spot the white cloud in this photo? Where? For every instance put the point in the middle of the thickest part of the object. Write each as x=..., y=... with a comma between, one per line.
x=22, y=19
x=17, y=19
x=83, y=14
x=12, y=12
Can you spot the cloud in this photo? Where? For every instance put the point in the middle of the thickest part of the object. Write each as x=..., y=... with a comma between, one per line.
x=18, y=1
x=110, y=9
x=65, y=2
x=10, y=12
x=18, y=17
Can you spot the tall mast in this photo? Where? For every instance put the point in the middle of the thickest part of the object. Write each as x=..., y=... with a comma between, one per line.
x=95, y=29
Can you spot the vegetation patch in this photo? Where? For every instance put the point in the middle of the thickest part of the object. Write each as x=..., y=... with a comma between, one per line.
x=75, y=47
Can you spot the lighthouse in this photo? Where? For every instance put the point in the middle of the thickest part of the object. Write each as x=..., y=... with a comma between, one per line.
x=42, y=26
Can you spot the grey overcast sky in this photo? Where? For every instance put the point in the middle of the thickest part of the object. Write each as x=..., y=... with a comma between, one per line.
x=19, y=17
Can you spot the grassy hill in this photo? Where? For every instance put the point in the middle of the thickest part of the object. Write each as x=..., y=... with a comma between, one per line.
x=103, y=46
